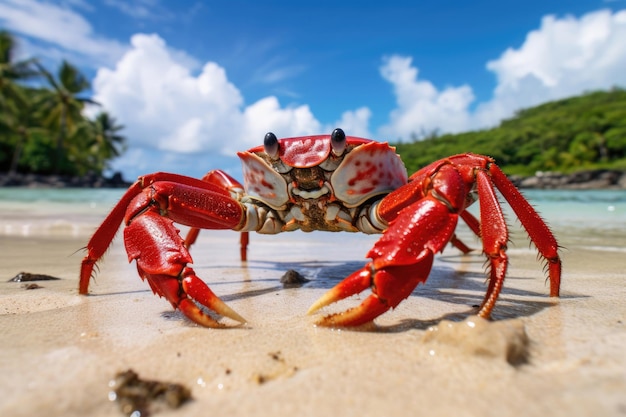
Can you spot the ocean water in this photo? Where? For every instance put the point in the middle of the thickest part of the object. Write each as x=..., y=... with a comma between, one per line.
x=33, y=212
x=593, y=218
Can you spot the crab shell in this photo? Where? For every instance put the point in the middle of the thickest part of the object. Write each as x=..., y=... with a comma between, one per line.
x=364, y=170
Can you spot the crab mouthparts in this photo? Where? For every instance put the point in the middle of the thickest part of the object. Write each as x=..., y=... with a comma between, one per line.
x=310, y=194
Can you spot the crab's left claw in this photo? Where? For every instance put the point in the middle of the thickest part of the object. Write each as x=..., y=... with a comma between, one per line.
x=389, y=286
x=187, y=293
x=199, y=292
x=401, y=259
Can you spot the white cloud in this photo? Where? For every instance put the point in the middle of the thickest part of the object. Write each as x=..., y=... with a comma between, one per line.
x=274, y=70
x=420, y=106
x=141, y=9
x=267, y=115
x=354, y=123
x=137, y=161
x=59, y=26
x=168, y=110
x=564, y=57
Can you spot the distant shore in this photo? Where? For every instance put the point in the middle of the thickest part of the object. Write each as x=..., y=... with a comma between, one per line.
x=63, y=181
x=581, y=180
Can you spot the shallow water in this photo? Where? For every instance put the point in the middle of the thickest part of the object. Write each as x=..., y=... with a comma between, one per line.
x=33, y=212
x=593, y=218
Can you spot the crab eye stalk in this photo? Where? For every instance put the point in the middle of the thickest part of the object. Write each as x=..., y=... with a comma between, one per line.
x=338, y=141
x=270, y=143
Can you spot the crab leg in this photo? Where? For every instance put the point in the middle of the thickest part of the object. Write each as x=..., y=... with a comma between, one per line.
x=401, y=259
x=149, y=208
x=473, y=167
x=389, y=285
x=154, y=242
x=233, y=188
x=422, y=217
x=495, y=235
x=537, y=229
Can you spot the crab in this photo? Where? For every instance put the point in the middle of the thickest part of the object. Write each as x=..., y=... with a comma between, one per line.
x=329, y=183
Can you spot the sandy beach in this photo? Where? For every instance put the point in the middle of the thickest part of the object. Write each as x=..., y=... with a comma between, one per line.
x=539, y=356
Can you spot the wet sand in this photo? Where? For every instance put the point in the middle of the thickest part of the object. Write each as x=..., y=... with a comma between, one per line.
x=59, y=350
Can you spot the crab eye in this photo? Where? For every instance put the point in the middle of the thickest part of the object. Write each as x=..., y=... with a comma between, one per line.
x=338, y=141
x=270, y=143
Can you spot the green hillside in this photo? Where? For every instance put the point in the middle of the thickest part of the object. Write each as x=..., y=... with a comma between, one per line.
x=577, y=133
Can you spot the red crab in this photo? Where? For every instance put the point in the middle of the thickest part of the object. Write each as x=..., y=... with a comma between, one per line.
x=327, y=182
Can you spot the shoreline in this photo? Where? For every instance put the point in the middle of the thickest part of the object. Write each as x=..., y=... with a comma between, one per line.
x=600, y=179
x=62, y=181
x=597, y=179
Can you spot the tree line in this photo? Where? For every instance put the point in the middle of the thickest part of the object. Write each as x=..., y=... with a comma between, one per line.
x=43, y=128
x=585, y=132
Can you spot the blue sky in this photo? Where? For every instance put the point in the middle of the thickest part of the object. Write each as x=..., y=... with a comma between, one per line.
x=195, y=81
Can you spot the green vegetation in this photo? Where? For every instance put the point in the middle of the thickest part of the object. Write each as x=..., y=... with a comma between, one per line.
x=578, y=133
x=43, y=130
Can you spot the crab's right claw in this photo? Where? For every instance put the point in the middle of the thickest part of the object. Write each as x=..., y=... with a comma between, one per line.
x=390, y=285
x=199, y=292
x=187, y=293
x=353, y=284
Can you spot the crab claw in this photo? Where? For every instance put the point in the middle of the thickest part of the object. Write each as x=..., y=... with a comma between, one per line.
x=199, y=292
x=389, y=285
x=186, y=293
x=154, y=243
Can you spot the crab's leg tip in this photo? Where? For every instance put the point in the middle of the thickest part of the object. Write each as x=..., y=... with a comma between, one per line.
x=329, y=321
x=323, y=301
x=353, y=284
x=350, y=318
x=363, y=314
x=237, y=317
x=226, y=311
x=199, y=292
x=195, y=314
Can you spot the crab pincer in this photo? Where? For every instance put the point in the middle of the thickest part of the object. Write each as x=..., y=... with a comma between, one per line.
x=401, y=259
x=151, y=239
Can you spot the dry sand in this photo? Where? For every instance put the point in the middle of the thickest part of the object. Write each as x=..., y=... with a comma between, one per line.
x=59, y=350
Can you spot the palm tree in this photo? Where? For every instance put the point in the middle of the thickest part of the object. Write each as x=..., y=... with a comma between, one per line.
x=62, y=106
x=108, y=143
x=11, y=94
x=22, y=124
x=15, y=107
x=95, y=142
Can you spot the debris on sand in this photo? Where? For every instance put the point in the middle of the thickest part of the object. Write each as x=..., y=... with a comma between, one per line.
x=134, y=394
